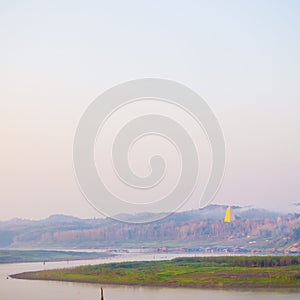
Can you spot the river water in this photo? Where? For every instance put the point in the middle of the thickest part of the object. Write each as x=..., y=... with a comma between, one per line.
x=15, y=289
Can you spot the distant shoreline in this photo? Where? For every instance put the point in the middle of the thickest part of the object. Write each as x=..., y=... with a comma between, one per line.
x=44, y=256
x=204, y=273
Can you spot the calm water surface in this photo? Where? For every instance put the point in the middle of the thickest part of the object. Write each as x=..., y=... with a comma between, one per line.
x=14, y=289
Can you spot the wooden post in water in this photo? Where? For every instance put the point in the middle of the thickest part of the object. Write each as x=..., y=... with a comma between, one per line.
x=101, y=293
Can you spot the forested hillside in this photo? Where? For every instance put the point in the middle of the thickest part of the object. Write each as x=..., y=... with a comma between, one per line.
x=253, y=229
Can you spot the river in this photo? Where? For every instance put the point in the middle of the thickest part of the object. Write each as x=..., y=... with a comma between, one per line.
x=15, y=289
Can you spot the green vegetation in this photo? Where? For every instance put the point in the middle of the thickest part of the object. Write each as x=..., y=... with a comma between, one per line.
x=204, y=272
x=14, y=256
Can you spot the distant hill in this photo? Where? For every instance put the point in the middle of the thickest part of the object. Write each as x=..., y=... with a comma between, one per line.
x=253, y=229
x=61, y=219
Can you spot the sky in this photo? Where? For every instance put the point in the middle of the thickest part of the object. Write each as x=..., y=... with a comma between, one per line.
x=56, y=57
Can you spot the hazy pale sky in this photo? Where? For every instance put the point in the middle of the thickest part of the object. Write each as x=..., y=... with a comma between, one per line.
x=56, y=57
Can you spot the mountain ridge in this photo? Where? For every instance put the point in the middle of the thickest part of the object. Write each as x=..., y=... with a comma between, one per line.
x=253, y=229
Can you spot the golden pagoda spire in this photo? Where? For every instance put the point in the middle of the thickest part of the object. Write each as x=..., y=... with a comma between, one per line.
x=229, y=217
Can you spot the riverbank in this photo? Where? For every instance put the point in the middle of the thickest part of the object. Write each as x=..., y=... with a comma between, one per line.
x=205, y=272
x=26, y=256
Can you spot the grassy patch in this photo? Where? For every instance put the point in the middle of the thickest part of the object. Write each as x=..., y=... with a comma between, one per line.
x=219, y=272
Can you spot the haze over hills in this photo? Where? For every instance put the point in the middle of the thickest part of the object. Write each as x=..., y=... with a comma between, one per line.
x=253, y=230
